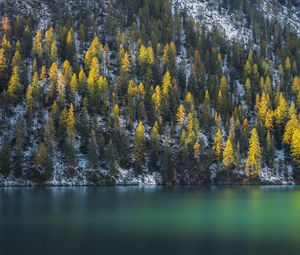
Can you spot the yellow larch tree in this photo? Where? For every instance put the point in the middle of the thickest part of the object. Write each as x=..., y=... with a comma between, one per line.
x=290, y=128
x=253, y=164
x=228, y=154
x=218, y=144
x=180, y=116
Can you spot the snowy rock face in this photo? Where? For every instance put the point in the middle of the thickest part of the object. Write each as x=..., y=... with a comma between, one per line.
x=210, y=15
x=234, y=25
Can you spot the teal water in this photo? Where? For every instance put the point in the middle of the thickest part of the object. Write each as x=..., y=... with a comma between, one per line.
x=150, y=220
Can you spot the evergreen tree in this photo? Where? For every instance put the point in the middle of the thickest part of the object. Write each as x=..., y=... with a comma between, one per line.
x=207, y=109
x=5, y=157
x=139, y=146
x=18, y=159
x=155, y=146
x=270, y=150
x=93, y=150
x=111, y=158
x=49, y=135
x=167, y=168
x=44, y=162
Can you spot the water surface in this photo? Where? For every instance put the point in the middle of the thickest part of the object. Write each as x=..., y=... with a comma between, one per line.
x=150, y=220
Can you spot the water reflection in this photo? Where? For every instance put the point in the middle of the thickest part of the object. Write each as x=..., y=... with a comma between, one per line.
x=150, y=220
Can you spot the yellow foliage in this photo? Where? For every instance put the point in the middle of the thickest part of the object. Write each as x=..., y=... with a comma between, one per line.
x=228, y=154
x=253, y=164
x=180, y=115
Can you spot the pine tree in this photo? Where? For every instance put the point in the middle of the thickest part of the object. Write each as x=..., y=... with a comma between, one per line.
x=207, y=109
x=155, y=145
x=70, y=45
x=73, y=86
x=248, y=93
x=5, y=157
x=63, y=118
x=220, y=102
x=155, y=137
x=44, y=161
x=167, y=166
x=71, y=123
x=29, y=102
x=253, y=164
x=50, y=134
x=41, y=155
x=54, y=52
x=84, y=129
x=270, y=149
x=111, y=157
x=93, y=150
x=116, y=116
x=18, y=159
x=139, y=146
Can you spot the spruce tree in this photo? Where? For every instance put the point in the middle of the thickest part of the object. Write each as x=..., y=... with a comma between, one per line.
x=139, y=147
x=93, y=150
x=5, y=157
x=111, y=158
x=155, y=146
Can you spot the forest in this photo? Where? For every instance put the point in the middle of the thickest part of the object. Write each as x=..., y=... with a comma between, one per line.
x=115, y=92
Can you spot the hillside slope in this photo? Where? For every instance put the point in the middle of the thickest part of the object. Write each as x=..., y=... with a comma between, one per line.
x=149, y=92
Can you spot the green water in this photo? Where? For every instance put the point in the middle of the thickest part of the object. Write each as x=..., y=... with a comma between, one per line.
x=134, y=220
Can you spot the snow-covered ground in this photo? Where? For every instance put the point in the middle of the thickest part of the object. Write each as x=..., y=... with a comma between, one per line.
x=232, y=25
x=209, y=16
x=272, y=10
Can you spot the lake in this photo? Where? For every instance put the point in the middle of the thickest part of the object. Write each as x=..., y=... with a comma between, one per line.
x=150, y=220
